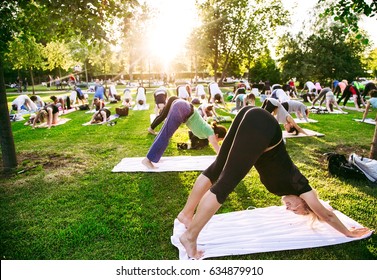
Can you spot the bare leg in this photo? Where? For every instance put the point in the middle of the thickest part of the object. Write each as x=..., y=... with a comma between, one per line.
x=337, y=106
x=148, y=163
x=201, y=186
x=208, y=206
x=151, y=131
x=355, y=102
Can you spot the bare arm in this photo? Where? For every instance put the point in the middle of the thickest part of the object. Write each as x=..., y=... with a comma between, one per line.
x=366, y=111
x=329, y=217
x=291, y=121
x=212, y=139
x=35, y=120
x=49, y=118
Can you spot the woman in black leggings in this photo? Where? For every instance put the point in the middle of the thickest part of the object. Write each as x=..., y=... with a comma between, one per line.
x=162, y=116
x=254, y=139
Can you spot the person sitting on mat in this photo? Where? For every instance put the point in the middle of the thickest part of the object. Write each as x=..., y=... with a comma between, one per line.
x=254, y=139
x=50, y=113
x=274, y=107
x=182, y=111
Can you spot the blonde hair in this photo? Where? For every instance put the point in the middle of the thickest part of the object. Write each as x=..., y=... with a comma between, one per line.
x=42, y=115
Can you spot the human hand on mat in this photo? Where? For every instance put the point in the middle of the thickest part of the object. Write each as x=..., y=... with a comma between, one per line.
x=358, y=232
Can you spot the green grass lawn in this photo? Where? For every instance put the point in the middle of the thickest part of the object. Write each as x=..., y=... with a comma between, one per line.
x=65, y=203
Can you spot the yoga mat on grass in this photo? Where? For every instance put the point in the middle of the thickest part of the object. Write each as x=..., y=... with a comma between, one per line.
x=262, y=230
x=308, y=131
x=368, y=121
x=111, y=118
x=138, y=107
x=166, y=164
x=60, y=122
x=67, y=111
x=304, y=121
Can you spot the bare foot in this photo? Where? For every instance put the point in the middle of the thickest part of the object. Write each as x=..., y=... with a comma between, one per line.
x=151, y=131
x=184, y=219
x=148, y=163
x=190, y=246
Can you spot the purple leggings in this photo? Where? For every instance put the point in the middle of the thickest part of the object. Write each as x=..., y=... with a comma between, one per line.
x=178, y=114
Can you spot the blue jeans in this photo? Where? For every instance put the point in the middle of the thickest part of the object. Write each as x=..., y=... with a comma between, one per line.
x=179, y=112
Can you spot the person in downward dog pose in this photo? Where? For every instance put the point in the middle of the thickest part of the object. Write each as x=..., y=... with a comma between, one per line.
x=254, y=139
x=181, y=111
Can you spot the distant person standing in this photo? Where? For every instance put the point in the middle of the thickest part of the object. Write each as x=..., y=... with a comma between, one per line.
x=25, y=84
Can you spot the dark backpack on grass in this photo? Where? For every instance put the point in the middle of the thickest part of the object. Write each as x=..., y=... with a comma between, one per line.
x=338, y=165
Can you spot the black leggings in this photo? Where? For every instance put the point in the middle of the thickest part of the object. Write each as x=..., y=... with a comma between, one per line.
x=164, y=113
x=253, y=130
x=347, y=93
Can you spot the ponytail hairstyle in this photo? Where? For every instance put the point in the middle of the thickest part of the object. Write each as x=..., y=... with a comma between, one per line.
x=219, y=130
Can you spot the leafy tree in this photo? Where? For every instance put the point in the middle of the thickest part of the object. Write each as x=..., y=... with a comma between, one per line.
x=59, y=19
x=58, y=56
x=291, y=52
x=323, y=56
x=265, y=69
x=235, y=31
x=348, y=12
x=371, y=62
x=25, y=53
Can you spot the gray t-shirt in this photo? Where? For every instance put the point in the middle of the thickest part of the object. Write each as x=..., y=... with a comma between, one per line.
x=281, y=113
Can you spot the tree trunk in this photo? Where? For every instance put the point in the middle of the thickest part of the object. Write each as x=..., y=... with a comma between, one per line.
x=6, y=137
x=373, y=148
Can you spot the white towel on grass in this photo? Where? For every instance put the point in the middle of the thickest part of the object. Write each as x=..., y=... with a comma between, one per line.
x=368, y=121
x=166, y=164
x=262, y=230
x=308, y=131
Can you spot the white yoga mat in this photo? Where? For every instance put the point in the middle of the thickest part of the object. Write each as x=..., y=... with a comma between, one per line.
x=304, y=121
x=368, y=121
x=166, y=164
x=353, y=109
x=60, y=122
x=308, y=131
x=67, y=111
x=111, y=118
x=138, y=107
x=262, y=230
